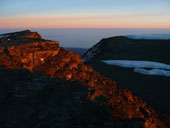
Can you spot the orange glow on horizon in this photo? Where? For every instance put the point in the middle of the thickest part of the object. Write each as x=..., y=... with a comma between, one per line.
x=87, y=21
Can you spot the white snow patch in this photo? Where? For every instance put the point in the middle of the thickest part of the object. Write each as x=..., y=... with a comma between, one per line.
x=150, y=36
x=156, y=68
x=136, y=64
x=152, y=72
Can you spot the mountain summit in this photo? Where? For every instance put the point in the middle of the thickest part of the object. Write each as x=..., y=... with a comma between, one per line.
x=26, y=34
x=27, y=50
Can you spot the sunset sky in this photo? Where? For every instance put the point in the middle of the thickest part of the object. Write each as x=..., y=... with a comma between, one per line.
x=85, y=14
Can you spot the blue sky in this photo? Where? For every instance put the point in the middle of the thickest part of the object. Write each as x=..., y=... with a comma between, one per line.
x=19, y=8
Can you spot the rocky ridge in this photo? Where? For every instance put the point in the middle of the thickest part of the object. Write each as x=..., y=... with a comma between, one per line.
x=36, y=54
x=124, y=48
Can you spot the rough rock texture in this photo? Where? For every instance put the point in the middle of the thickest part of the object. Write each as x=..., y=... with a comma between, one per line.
x=26, y=34
x=32, y=100
x=52, y=60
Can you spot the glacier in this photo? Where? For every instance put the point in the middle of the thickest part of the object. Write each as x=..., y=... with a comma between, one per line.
x=160, y=72
x=155, y=68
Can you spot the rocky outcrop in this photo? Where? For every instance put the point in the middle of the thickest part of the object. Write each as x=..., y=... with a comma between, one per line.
x=54, y=61
x=26, y=34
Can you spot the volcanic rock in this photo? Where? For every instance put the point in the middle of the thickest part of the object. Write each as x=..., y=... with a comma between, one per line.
x=54, y=61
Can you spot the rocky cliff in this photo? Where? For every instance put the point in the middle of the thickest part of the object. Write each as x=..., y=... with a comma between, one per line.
x=124, y=48
x=36, y=54
x=154, y=89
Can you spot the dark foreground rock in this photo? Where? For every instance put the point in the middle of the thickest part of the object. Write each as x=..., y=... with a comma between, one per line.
x=31, y=100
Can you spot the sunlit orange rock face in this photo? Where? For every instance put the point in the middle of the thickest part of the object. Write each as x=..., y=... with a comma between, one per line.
x=35, y=54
